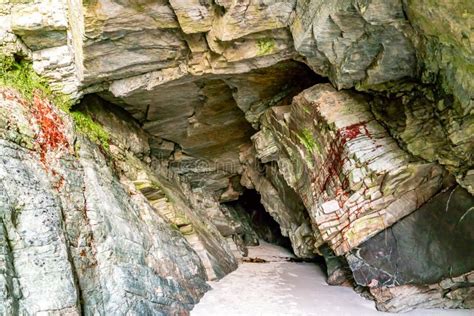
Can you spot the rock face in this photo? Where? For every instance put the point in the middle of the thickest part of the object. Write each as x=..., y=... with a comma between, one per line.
x=351, y=120
x=350, y=174
x=355, y=42
x=423, y=248
x=102, y=246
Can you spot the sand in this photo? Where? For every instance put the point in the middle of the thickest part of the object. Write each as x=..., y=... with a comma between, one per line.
x=286, y=288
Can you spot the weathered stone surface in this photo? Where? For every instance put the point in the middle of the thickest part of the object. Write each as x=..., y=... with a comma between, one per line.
x=202, y=77
x=193, y=218
x=194, y=16
x=431, y=126
x=37, y=254
x=445, y=46
x=93, y=227
x=209, y=115
x=245, y=17
x=337, y=269
x=41, y=24
x=351, y=175
x=429, y=245
x=449, y=293
x=281, y=202
x=116, y=39
x=355, y=42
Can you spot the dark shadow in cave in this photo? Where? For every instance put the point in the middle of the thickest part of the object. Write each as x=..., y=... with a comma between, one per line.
x=260, y=221
x=253, y=214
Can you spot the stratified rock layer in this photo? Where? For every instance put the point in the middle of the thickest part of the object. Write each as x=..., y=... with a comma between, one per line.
x=430, y=245
x=208, y=87
x=351, y=175
x=101, y=246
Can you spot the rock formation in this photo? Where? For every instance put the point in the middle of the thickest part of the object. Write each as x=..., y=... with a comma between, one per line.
x=131, y=132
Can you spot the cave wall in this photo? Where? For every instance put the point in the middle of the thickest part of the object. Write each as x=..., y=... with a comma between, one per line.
x=353, y=119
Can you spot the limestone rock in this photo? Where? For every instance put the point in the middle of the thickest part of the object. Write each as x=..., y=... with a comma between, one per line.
x=430, y=245
x=354, y=42
x=351, y=175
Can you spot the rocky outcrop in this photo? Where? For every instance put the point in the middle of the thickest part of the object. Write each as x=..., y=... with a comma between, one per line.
x=423, y=254
x=192, y=216
x=355, y=42
x=101, y=243
x=350, y=174
x=137, y=187
x=356, y=182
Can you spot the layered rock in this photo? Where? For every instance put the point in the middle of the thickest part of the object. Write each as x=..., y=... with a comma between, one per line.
x=281, y=202
x=168, y=196
x=351, y=175
x=426, y=254
x=207, y=115
x=102, y=246
x=355, y=42
x=206, y=88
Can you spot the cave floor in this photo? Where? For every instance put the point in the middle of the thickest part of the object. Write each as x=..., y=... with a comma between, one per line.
x=280, y=287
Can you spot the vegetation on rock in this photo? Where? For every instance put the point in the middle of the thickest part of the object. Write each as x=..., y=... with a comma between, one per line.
x=19, y=74
x=265, y=46
x=306, y=138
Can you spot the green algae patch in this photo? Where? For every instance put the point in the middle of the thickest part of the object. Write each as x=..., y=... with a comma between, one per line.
x=92, y=130
x=265, y=46
x=306, y=138
x=20, y=76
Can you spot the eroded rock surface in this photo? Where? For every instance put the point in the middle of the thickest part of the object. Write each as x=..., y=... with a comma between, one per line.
x=351, y=175
x=207, y=99
x=405, y=258
x=101, y=244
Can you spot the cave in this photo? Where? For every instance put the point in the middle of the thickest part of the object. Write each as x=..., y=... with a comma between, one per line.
x=262, y=223
x=236, y=157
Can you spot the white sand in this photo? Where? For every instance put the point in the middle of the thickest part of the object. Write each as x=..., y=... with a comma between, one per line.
x=287, y=288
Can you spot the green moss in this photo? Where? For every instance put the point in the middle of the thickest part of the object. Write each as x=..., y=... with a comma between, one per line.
x=94, y=131
x=306, y=138
x=265, y=46
x=138, y=6
x=20, y=76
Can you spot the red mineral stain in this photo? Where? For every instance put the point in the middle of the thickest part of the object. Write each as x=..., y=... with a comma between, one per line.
x=50, y=136
x=352, y=131
x=332, y=166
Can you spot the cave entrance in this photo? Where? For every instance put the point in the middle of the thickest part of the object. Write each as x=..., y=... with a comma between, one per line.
x=257, y=223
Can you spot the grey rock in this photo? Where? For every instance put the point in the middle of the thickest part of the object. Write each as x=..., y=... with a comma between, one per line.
x=432, y=244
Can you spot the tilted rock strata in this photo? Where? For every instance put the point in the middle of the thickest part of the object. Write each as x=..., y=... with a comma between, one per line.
x=167, y=197
x=102, y=246
x=351, y=175
x=335, y=169
x=430, y=245
x=355, y=42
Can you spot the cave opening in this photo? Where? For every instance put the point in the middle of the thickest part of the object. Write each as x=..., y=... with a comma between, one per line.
x=259, y=220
